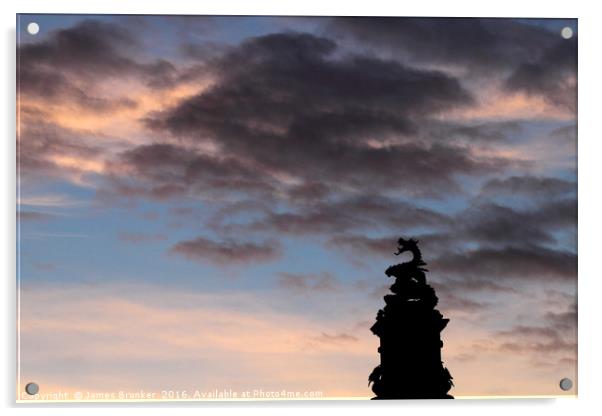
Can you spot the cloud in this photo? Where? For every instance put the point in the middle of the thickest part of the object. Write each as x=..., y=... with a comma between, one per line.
x=297, y=104
x=540, y=339
x=308, y=283
x=227, y=252
x=564, y=320
x=365, y=212
x=33, y=216
x=525, y=57
x=89, y=49
x=528, y=186
x=545, y=341
x=431, y=243
x=497, y=224
x=46, y=149
x=308, y=192
x=161, y=170
x=479, y=43
x=57, y=87
x=484, y=249
x=552, y=75
x=449, y=285
x=482, y=223
x=524, y=262
x=92, y=80
x=456, y=305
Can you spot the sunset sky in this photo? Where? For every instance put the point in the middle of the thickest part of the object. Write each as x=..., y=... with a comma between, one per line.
x=211, y=202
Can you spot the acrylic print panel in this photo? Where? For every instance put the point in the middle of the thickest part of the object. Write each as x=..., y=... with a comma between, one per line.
x=263, y=208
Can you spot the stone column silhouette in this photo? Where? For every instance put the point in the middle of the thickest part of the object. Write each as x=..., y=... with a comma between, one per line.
x=409, y=328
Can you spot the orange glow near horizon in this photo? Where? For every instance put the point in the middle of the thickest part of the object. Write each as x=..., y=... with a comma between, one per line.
x=270, y=349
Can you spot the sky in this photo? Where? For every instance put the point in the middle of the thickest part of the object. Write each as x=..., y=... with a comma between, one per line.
x=208, y=203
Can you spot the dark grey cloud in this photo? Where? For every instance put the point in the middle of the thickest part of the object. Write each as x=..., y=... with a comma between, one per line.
x=362, y=248
x=483, y=223
x=88, y=47
x=566, y=134
x=545, y=342
x=522, y=262
x=364, y=212
x=308, y=192
x=565, y=320
x=475, y=42
x=164, y=170
x=118, y=188
x=67, y=65
x=451, y=302
x=552, y=76
x=528, y=186
x=452, y=290
x=447, y=285
x=529, y=58
x=58, y=87
x=88, y=50
x=227, y=252
x=287, y=104
x=41, y=142
x=498, y=225
x=484, y=245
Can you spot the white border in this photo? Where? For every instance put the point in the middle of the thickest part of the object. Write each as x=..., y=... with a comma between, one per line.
x=590, y=152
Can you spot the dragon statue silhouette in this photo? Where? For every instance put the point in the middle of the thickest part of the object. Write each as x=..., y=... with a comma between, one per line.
x=409, y=329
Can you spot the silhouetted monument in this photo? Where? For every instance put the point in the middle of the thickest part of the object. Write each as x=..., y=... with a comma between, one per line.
x=409, y=328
